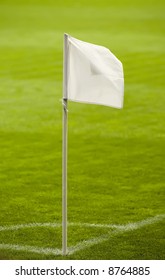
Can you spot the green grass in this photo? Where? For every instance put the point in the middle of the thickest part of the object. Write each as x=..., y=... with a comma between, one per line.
x=115, y=158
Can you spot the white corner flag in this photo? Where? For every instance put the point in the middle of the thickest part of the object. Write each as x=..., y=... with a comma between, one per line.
x=94, y=74
x=91, y=74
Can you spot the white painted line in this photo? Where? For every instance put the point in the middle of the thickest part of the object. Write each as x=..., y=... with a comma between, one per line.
x=137, y=225
x=31, y=225
x=81, y=245
x=31, y=249
x=105, y=226
x=119, y=229
x=54, y=225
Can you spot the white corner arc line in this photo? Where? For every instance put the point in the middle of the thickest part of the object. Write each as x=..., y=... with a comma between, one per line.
x=81, y=245
x=105, y=226
x=119, y=229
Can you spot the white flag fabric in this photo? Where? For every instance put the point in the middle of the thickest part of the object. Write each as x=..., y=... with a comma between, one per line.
x=94, y=74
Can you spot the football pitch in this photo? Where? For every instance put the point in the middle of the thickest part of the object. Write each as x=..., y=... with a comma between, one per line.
x=116, y=158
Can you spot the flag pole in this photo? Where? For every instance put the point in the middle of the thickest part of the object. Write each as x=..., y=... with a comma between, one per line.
x=64, y=149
